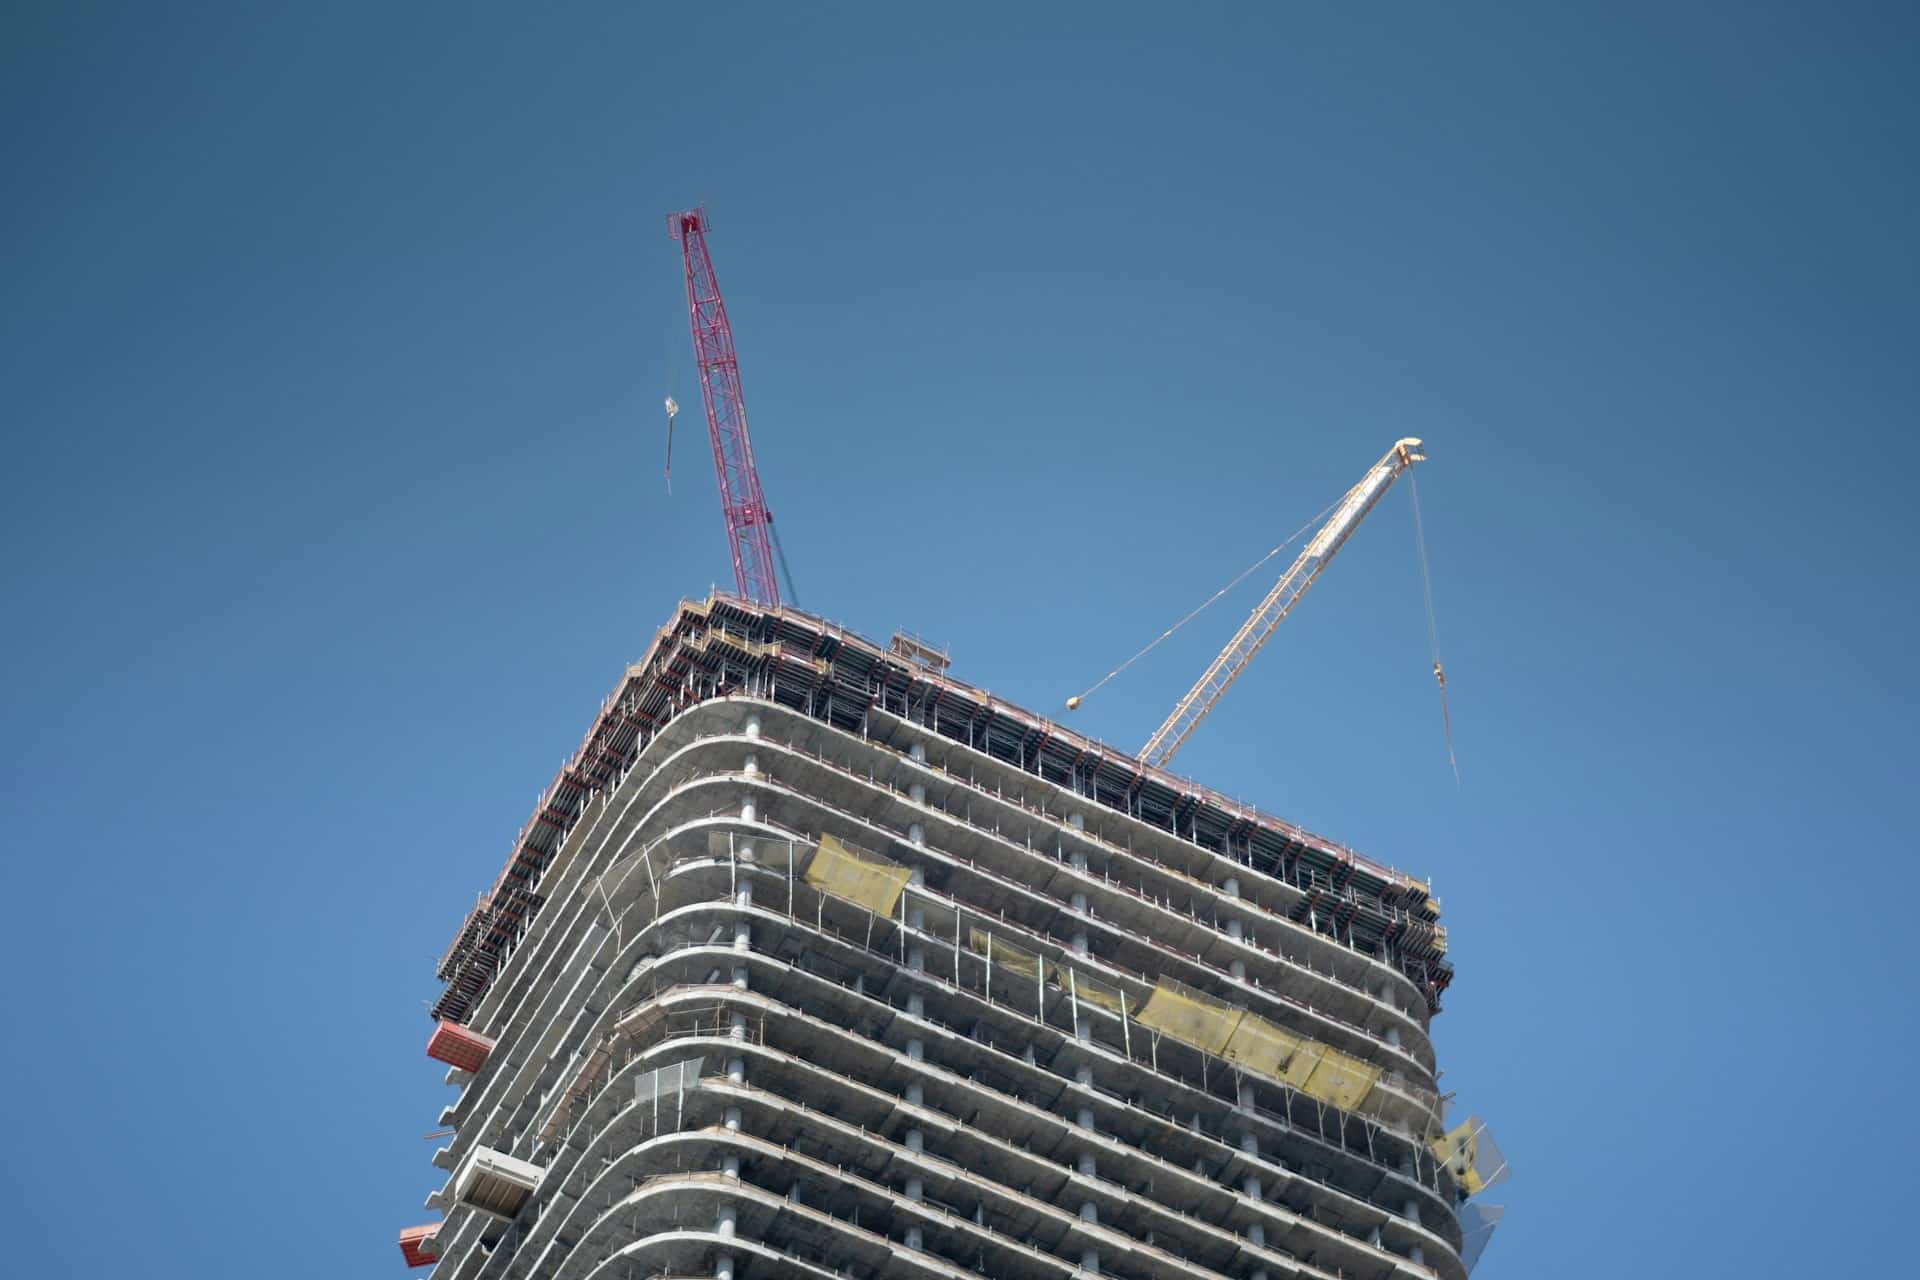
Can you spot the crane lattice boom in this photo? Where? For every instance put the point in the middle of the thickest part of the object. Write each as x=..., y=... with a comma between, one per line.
x=742, y=503
x=1273, y=610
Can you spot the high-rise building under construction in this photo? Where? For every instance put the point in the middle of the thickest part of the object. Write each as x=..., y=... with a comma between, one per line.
x=817, y=962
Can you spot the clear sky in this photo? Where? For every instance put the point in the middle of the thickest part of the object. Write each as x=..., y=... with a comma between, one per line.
x=333, y=340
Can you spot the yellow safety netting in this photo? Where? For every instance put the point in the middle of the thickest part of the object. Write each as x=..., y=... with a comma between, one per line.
x=1190, y=1017
x=1261, y=1047
x=1085, y=988
x=856, y=876
x=1342, y=1079
x=1471, y=1154
x=1003, y=953
x=1254, y=1044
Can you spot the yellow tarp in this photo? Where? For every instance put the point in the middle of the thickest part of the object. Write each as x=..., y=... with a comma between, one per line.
x=1342, y=1079
x=856, y=877
x=1190, y=1017
x=1254, y=1044
x=1261, y=1047
x=1470, y=1153
x=1003, y=953
x=1085, y=988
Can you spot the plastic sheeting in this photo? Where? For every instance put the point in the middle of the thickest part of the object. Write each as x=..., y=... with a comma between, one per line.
x=1477, y=1222
x=856, y=876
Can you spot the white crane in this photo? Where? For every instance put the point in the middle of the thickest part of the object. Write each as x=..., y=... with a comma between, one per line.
x=1273, y=610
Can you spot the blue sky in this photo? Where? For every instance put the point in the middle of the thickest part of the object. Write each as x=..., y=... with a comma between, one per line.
x=333, y=340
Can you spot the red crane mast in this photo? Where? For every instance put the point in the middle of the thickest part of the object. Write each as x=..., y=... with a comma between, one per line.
x=742, y=503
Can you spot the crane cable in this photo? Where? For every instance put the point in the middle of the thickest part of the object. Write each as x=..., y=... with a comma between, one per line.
x=1074, y=702
x=1433, y=627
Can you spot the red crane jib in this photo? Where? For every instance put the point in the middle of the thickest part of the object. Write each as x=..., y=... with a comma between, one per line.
x=742, y=504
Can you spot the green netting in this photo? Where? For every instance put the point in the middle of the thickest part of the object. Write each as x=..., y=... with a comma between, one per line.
x=1259, y=1046
x=856, y=876
x=1189, y=1017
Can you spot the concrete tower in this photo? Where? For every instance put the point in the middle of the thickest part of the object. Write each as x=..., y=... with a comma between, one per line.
x=816, y=962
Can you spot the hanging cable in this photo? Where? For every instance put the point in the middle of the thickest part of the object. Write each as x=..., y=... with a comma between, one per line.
x=1433, y=627
x=793, y=596
x=1074, y=702
x=673, y=410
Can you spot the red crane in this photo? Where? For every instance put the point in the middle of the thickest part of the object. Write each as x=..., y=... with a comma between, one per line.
x=742, y=504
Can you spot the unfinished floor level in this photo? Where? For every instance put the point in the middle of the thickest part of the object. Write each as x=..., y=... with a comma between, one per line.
x=815, y=961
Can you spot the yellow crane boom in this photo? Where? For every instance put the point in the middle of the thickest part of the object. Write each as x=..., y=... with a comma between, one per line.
x=1273, y=610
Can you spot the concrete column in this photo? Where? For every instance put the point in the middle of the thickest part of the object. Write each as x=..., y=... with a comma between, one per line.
x=1090, y=1212
x=916, y=1050
x=1373, y=1236
x=724, y=1220
x=916, y=1190
x=752, y=763
x=730, y=1166
x=738, y=1030
x=737, y=1070
x=1393, y=1036
x=1413, y=1212
x=913, y=1238
x=740, y=976
x=916, y=834
x=1257, y=1235
x=743, y=893
x=1236, y=930
x=1231, y=887
x=1251, y=1186
x=732, y=1121
x=753, y=725
x=742, y=935
x=1417, y=1256
x=723, y=1266
x=1085, y=1165
x=1238, y=968
x=1243, y=1094
x=1090, y=1261
x=917, y=792
x=1078, y=861
x=1077, y=822
x=917, y=961
x=917, y=753
x=747, y=812
x=1085, y=1118
x=917, y=1004
x=916, y=1095
x=916, y=1141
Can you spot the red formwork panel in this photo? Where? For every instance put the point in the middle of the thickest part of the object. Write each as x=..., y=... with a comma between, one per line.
x=416, y=1245
x=456, y=1046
